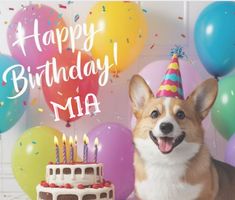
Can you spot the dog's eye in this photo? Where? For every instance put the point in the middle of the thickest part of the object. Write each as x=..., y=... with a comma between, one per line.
x=180, y=114
x=155, y=114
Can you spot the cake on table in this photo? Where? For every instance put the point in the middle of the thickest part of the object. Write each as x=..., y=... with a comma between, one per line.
x=75, y=181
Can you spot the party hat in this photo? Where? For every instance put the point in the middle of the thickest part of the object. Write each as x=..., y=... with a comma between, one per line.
x=171, y=86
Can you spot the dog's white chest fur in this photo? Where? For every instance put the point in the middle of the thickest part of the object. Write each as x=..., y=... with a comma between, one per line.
x=165, y=183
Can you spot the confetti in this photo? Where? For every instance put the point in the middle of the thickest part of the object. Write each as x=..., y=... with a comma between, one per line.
x=156, y=35
x=111, y=41
x=20, y=143
x=90, y=13
x=5, y=22
x=181, y=18
x=140, y=36
x=11, y=9
x=127, y=40
x=40, y=110
x=183, y=36
x=70, y=2
x=77, y=89
x=144, y=10
x=152, y=46
x=33, y=142
x=60, y=15
x=3, y=83
x=36, y=153
x=62, y=6
x=76, y=17
x=25, y=103
x=34, y=101
x=59, y=93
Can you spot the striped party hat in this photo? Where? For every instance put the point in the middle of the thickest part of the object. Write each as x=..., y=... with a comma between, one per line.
x=171, y=85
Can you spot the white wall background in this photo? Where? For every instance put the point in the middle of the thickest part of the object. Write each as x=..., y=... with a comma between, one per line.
x=163, y=19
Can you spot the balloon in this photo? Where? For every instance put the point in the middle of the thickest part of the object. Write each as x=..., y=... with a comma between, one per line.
x=230, y=151
x=11, y=110
x=223, y=111
x=214, y=36
x=31, y=153
x=116, y=153
x=60, y=92
x=119, y=22
x=48, y=19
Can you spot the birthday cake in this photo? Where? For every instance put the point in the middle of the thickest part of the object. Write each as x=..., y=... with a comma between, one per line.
x=75, y=181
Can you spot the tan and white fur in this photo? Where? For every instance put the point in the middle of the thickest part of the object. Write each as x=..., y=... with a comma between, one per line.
x=176, y=164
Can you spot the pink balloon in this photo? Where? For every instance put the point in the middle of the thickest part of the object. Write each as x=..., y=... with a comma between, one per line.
x=154, y=72
x=116, y=153
x=48, y=19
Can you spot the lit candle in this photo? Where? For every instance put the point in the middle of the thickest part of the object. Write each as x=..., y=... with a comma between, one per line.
x=64, y=149
x=57, y=150
x=96, y=149
x=71, y=149
x=75, y=148
x=85, y=148
x=87, y=142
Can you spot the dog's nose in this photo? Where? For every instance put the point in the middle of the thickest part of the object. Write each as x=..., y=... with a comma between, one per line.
x=166, y=127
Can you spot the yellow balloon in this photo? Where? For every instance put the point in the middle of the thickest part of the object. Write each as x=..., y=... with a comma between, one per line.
x=32, y=152
x=121, y=22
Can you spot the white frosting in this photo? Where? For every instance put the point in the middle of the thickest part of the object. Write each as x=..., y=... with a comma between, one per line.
x=75, y=191
x=72, y=178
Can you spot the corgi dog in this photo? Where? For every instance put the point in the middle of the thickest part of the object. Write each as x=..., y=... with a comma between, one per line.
x=171, y=160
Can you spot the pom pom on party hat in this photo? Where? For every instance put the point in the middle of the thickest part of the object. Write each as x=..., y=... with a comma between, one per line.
x=171, y=86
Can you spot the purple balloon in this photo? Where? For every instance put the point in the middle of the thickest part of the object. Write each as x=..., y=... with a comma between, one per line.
x=48, y=19
x=230, y=151
x=116, y=152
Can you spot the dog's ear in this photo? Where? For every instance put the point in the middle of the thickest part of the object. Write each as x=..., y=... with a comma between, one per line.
x=203, y=97
x=139, y=93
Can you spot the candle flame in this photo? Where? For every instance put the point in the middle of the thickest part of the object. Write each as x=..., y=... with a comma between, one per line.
x=70, y=140
x=64, y=138
x=96, y=141
x=75, y=139
x=85, y=138
x=56, y=140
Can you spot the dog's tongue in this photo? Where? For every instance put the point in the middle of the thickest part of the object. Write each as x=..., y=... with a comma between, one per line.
x=165, y=144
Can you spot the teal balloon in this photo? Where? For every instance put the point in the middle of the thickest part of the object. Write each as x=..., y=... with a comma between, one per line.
x=214, y=36
x=223, y=110
x=11, y=110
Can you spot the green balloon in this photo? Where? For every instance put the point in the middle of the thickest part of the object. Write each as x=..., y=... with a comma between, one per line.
x=32, y=152
x=223, y=111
